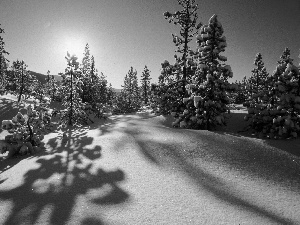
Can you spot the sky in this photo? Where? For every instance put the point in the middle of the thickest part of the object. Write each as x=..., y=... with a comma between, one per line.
x=125, y=33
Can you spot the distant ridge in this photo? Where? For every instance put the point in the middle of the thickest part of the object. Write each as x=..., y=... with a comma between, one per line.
x=117, y=90
x=42, y=77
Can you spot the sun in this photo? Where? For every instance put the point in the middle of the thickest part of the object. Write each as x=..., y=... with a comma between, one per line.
x=74, y=45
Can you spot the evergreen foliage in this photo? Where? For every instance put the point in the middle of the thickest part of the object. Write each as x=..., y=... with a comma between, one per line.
x=207, y=100
x=276, y=111
x=71, y=87
x=110, y=95
x=258, y=82
x=94, y=86
x=145, y=85
x=51, y=87
x=129, y=99
x=174, y=78
x=242, y=91
x=27, y=131
x=3, y=62
x=20, y=81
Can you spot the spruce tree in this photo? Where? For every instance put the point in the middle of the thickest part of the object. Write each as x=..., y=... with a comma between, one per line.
x=145, y=85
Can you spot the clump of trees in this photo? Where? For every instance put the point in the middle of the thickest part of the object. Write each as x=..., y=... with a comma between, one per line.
x=71, y=87
x=129, y=99
x=207, y=98
x=26, y=132
x=171, y=88
x=3, y=62
x=145, y=86
x=20, y=81
x=274, y=110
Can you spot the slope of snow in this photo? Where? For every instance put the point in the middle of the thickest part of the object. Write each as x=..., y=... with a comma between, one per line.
x=137, y=169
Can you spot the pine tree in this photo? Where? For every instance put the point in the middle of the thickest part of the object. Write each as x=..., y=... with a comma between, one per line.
x=129, y=99
x=51, y=86
x=110, y=95
x=94, y=86
x=39, y=90
x=187, y=20
x=20, y=80
x=27, y=132
x=207, y=101
x=239, y=97
x=145, y=86
x=173, y=79
x=3, y=61
x=276, y=115
x=86, y=75
x=258, y=81
x=71, y=88
x=286, y=95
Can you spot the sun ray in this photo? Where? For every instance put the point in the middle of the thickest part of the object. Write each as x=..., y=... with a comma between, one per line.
x=74, y=45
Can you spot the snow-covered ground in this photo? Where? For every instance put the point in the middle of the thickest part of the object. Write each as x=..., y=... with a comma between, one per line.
x=137, y=169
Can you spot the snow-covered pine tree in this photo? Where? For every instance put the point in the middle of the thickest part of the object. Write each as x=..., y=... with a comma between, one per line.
x=20, y=80
x=86, y=75
x=207, y=100
x=284, y=98
x=242, y=92
x=145, y=85
x=187, y=20
x=173, y=78
x=71, y=87
x=51, y=86
x=129, y=98
x=27, y=131
x=94, y=86
x=278, y=114
x=101, y=88
x=39, y=90
x=3, y=62
x=258, y=82
x=110, y=95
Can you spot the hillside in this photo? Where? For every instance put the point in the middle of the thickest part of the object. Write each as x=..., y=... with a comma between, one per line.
x=137, y=169
x=42, y=77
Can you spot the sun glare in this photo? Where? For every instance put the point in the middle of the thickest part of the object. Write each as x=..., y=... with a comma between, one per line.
x=74, y=45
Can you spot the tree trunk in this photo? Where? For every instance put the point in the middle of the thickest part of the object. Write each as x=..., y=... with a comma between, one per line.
x=22, y=85
x=71, y=100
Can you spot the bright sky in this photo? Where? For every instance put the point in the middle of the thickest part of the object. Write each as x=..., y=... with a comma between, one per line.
x=125, y=33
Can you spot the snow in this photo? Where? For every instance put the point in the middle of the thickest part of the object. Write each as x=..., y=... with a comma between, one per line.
x=137, y=169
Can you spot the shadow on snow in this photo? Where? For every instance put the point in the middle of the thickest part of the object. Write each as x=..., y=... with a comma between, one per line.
x=251, y=160
x=65, y=171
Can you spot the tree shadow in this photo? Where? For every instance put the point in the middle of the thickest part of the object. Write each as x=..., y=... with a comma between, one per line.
x=179, y=154
x=6, y=164
x=10, y=108
x=238, y=127
x=65, y=171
